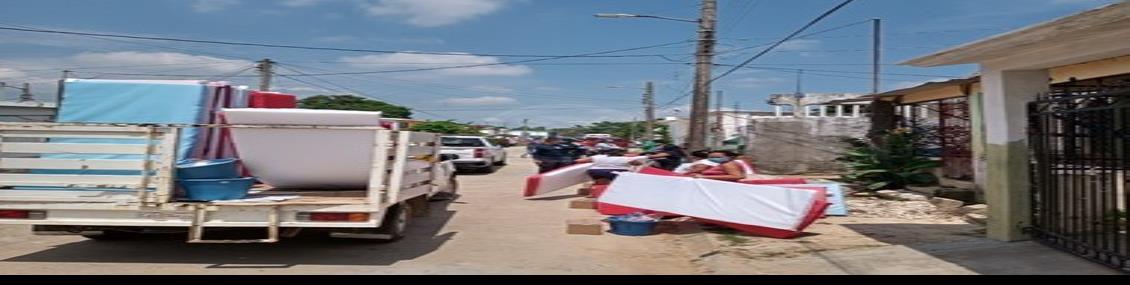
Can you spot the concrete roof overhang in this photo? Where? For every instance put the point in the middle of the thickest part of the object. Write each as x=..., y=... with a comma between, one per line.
x=1092, y=35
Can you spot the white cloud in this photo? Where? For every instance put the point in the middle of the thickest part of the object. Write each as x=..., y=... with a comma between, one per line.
x=206, y=6
x=481, y=101
x=490, y=89
x=435, y=13
x=11, y=73
x=547, y=88
x=484, y=65
x=162, y=60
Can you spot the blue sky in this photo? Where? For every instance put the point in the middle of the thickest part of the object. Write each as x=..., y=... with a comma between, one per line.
x=551, y=93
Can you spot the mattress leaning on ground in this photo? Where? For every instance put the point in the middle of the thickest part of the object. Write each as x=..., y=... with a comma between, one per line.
x=306, y=158
x=557, y=179
x=770, y=211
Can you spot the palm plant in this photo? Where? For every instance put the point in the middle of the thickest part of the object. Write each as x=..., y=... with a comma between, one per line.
x=892, y=162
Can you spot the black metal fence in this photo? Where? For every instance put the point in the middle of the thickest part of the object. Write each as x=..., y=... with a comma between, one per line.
x=1080, y=147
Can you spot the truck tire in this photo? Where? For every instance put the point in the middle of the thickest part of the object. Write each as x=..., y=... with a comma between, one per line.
x=395, y=222
x=500, y=162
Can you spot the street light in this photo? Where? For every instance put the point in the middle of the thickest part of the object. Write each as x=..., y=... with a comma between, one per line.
x=704, y=58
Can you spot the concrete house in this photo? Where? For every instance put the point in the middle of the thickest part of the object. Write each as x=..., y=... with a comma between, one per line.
x=945, y=108
x=1051, y=145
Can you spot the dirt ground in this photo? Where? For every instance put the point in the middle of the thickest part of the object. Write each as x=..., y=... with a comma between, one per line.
x=872, y=222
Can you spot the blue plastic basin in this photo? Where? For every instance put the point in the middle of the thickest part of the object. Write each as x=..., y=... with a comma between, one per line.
x=208, y=169
x=217, y=189
x=629, y=228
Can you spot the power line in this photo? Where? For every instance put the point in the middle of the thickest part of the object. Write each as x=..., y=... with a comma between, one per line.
x=805, y=36
x=786, y=39
x=750, y=5
x=282, y=46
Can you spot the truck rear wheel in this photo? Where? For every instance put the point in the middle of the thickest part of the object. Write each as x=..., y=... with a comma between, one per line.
x=395, y=222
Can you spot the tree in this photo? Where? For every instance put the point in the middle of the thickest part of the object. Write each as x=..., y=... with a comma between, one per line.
x=446, y=128
x=354, y=103
x=617, y=129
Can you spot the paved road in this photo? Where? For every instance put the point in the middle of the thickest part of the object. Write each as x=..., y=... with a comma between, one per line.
x=490, y=230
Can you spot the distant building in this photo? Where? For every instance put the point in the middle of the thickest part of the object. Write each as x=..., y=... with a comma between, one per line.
x=808, y=105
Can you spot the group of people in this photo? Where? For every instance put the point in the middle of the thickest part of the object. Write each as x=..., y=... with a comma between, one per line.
x=556, y=153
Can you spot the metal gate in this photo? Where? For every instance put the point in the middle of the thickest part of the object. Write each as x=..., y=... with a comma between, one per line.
x=1080, y=147
x=956, y=137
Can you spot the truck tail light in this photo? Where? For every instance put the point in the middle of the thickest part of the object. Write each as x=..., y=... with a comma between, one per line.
x=480, y=153
x=22, y=215
x=333, y=217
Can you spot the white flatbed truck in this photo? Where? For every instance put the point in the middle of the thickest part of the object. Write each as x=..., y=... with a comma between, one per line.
x=406, y=173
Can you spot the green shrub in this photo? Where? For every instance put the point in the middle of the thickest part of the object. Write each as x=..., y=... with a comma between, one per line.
x=891, y=162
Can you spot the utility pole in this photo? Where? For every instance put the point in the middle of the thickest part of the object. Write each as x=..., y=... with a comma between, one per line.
x=719, y=129
x=632, y=129
x=266, y=72
x=878, y=57
x=738, y=120
x=700, y=106
x=26, y=95
x=649, y=111
x=59, y=94
x=25, y=91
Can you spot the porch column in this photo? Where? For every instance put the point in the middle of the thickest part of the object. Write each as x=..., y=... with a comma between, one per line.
x=925, y=111
x=977, y=131
x=839, y=111
x=823, y=111
x=856, y=111
x=1005, y=113
x=779, y=111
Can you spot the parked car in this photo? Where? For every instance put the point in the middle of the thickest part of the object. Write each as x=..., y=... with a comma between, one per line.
x=475, y=153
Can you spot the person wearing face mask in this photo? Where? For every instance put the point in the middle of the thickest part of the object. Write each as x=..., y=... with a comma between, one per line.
x=730, y=168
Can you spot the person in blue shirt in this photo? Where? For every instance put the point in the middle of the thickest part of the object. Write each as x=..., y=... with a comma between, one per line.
x=553, y=155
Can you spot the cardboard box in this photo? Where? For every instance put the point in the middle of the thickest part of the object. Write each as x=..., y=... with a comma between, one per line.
x=584, y=204
x=585, y=191
x=585, y=227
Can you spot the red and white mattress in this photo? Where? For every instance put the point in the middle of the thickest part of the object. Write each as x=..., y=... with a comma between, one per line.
x=556, y=180
x=763, y=210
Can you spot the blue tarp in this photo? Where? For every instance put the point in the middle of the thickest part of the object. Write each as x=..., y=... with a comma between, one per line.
x=135, y=102
x=836, y=197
